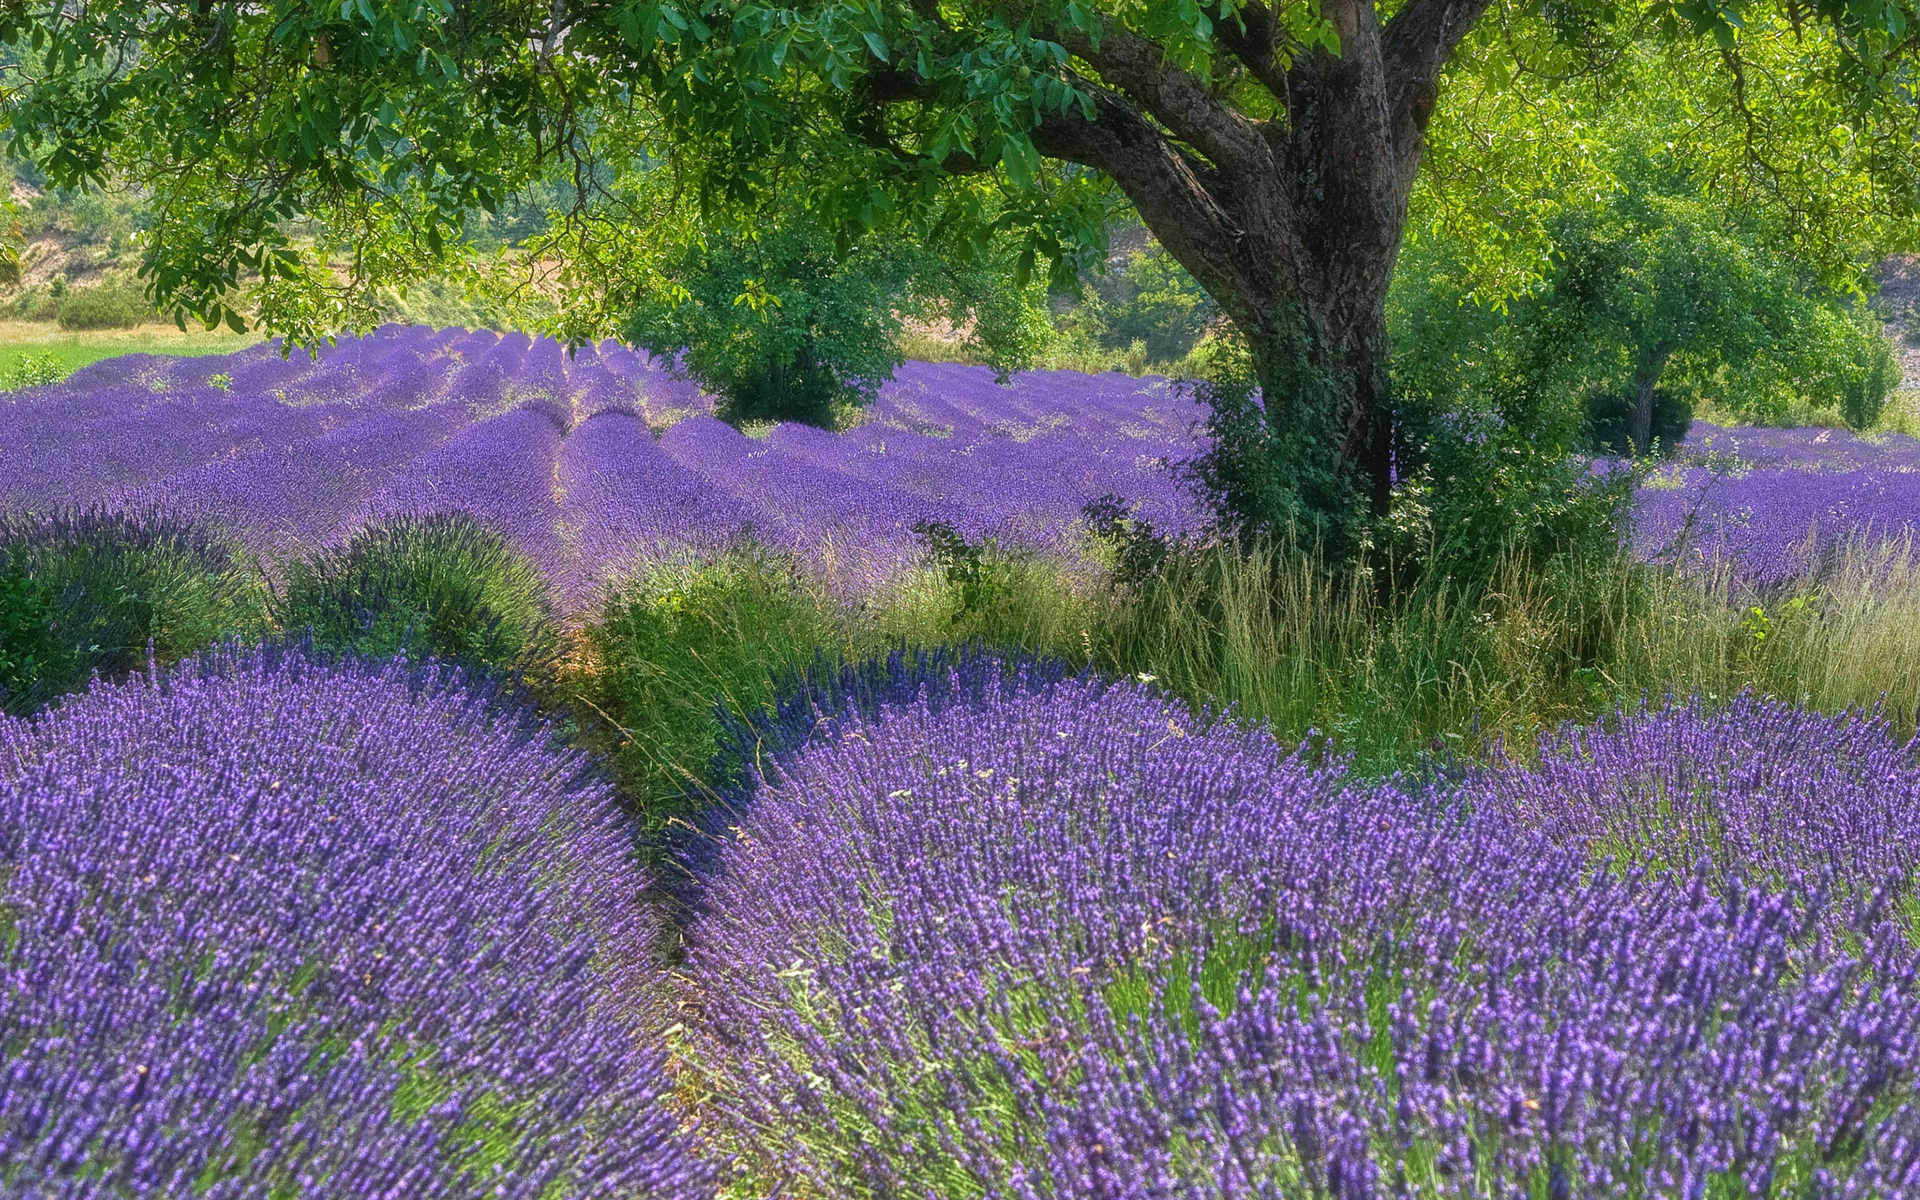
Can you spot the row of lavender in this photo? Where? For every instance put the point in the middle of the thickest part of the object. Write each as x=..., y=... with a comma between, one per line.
x=1066, y=941
x=586, y=461
x=591, y=460
x=269, y=928
x=1776, y=502
x=278, y=928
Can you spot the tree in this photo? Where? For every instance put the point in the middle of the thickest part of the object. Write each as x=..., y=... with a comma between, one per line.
x=1629, y=247
x=1661, y=282
x=775, y=322
x=1273, y=149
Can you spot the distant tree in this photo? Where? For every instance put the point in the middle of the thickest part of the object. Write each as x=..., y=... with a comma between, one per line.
x=776, y=322
x=1658, y=284
x=1628, y=251
x=787, y=320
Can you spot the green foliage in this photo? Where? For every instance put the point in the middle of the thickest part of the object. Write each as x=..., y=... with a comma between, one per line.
x=975, y=571
x=1585, y=240
x=95, y=592
x=106, y=306
x=293, y=156
x=443, y=586
x=1607, y=430
x=27, y=647
x=1487, y=491
x=779, y=323
x=493, y=298
x=1864, y=371
x=38, y=303
x=675, y=641
x=37, y=370
x=1271, y=471
x=1151, y=302
x=1656, y=292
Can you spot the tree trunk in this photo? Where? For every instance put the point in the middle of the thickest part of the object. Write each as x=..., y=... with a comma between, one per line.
x=1646, y=379
x=1291, y=223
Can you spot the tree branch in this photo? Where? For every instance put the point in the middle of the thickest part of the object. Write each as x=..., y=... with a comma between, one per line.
x=1177, y=98
x=1414, y=47
x=1171, y=193
x=1252, y=35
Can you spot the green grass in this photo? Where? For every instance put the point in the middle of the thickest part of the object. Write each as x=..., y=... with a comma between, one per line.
x=71, y=350
x=1443, y=674
x=446, y=587
x=676, y=640
x=1459, y=672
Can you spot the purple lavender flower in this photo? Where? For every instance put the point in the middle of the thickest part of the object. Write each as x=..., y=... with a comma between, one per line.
x=1773, y=504
x=1758, y=789
x=301, y=451
x=269, y=926
x=1070, y=941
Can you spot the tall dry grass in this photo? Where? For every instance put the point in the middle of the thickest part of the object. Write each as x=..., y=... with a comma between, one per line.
x=1449, y=669
x=1288, y=641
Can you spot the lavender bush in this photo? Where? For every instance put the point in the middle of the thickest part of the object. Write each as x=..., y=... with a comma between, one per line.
x=271, y=927
x=86, y=591
x=441, y=585
x=1067, y=941
x=1760, y=790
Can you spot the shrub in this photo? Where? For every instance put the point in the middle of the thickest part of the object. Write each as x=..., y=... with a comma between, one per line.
x=27, y=646
x=38, y=303
x=37, y=370
x=1478, y=482
x=781, y=324
x=1868, y=374
x=678, y=645
x=1064, y=939
x=976, y=573
x=444, y=586
x=104, y=306
x=275, y=928
x=95, y=591
x=1252, y=473
x=1489, y=492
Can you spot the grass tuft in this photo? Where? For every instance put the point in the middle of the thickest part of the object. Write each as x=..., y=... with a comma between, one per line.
x=444, y=586
x=89, y=592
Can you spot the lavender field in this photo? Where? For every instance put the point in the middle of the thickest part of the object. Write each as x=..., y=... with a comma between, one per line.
x=589, y=461
x=593, y=461
x=1087, y=918
x=1775, y=503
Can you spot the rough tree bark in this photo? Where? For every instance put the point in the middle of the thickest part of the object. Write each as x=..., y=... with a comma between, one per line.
x=1646, y=379
x=1292, y=224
